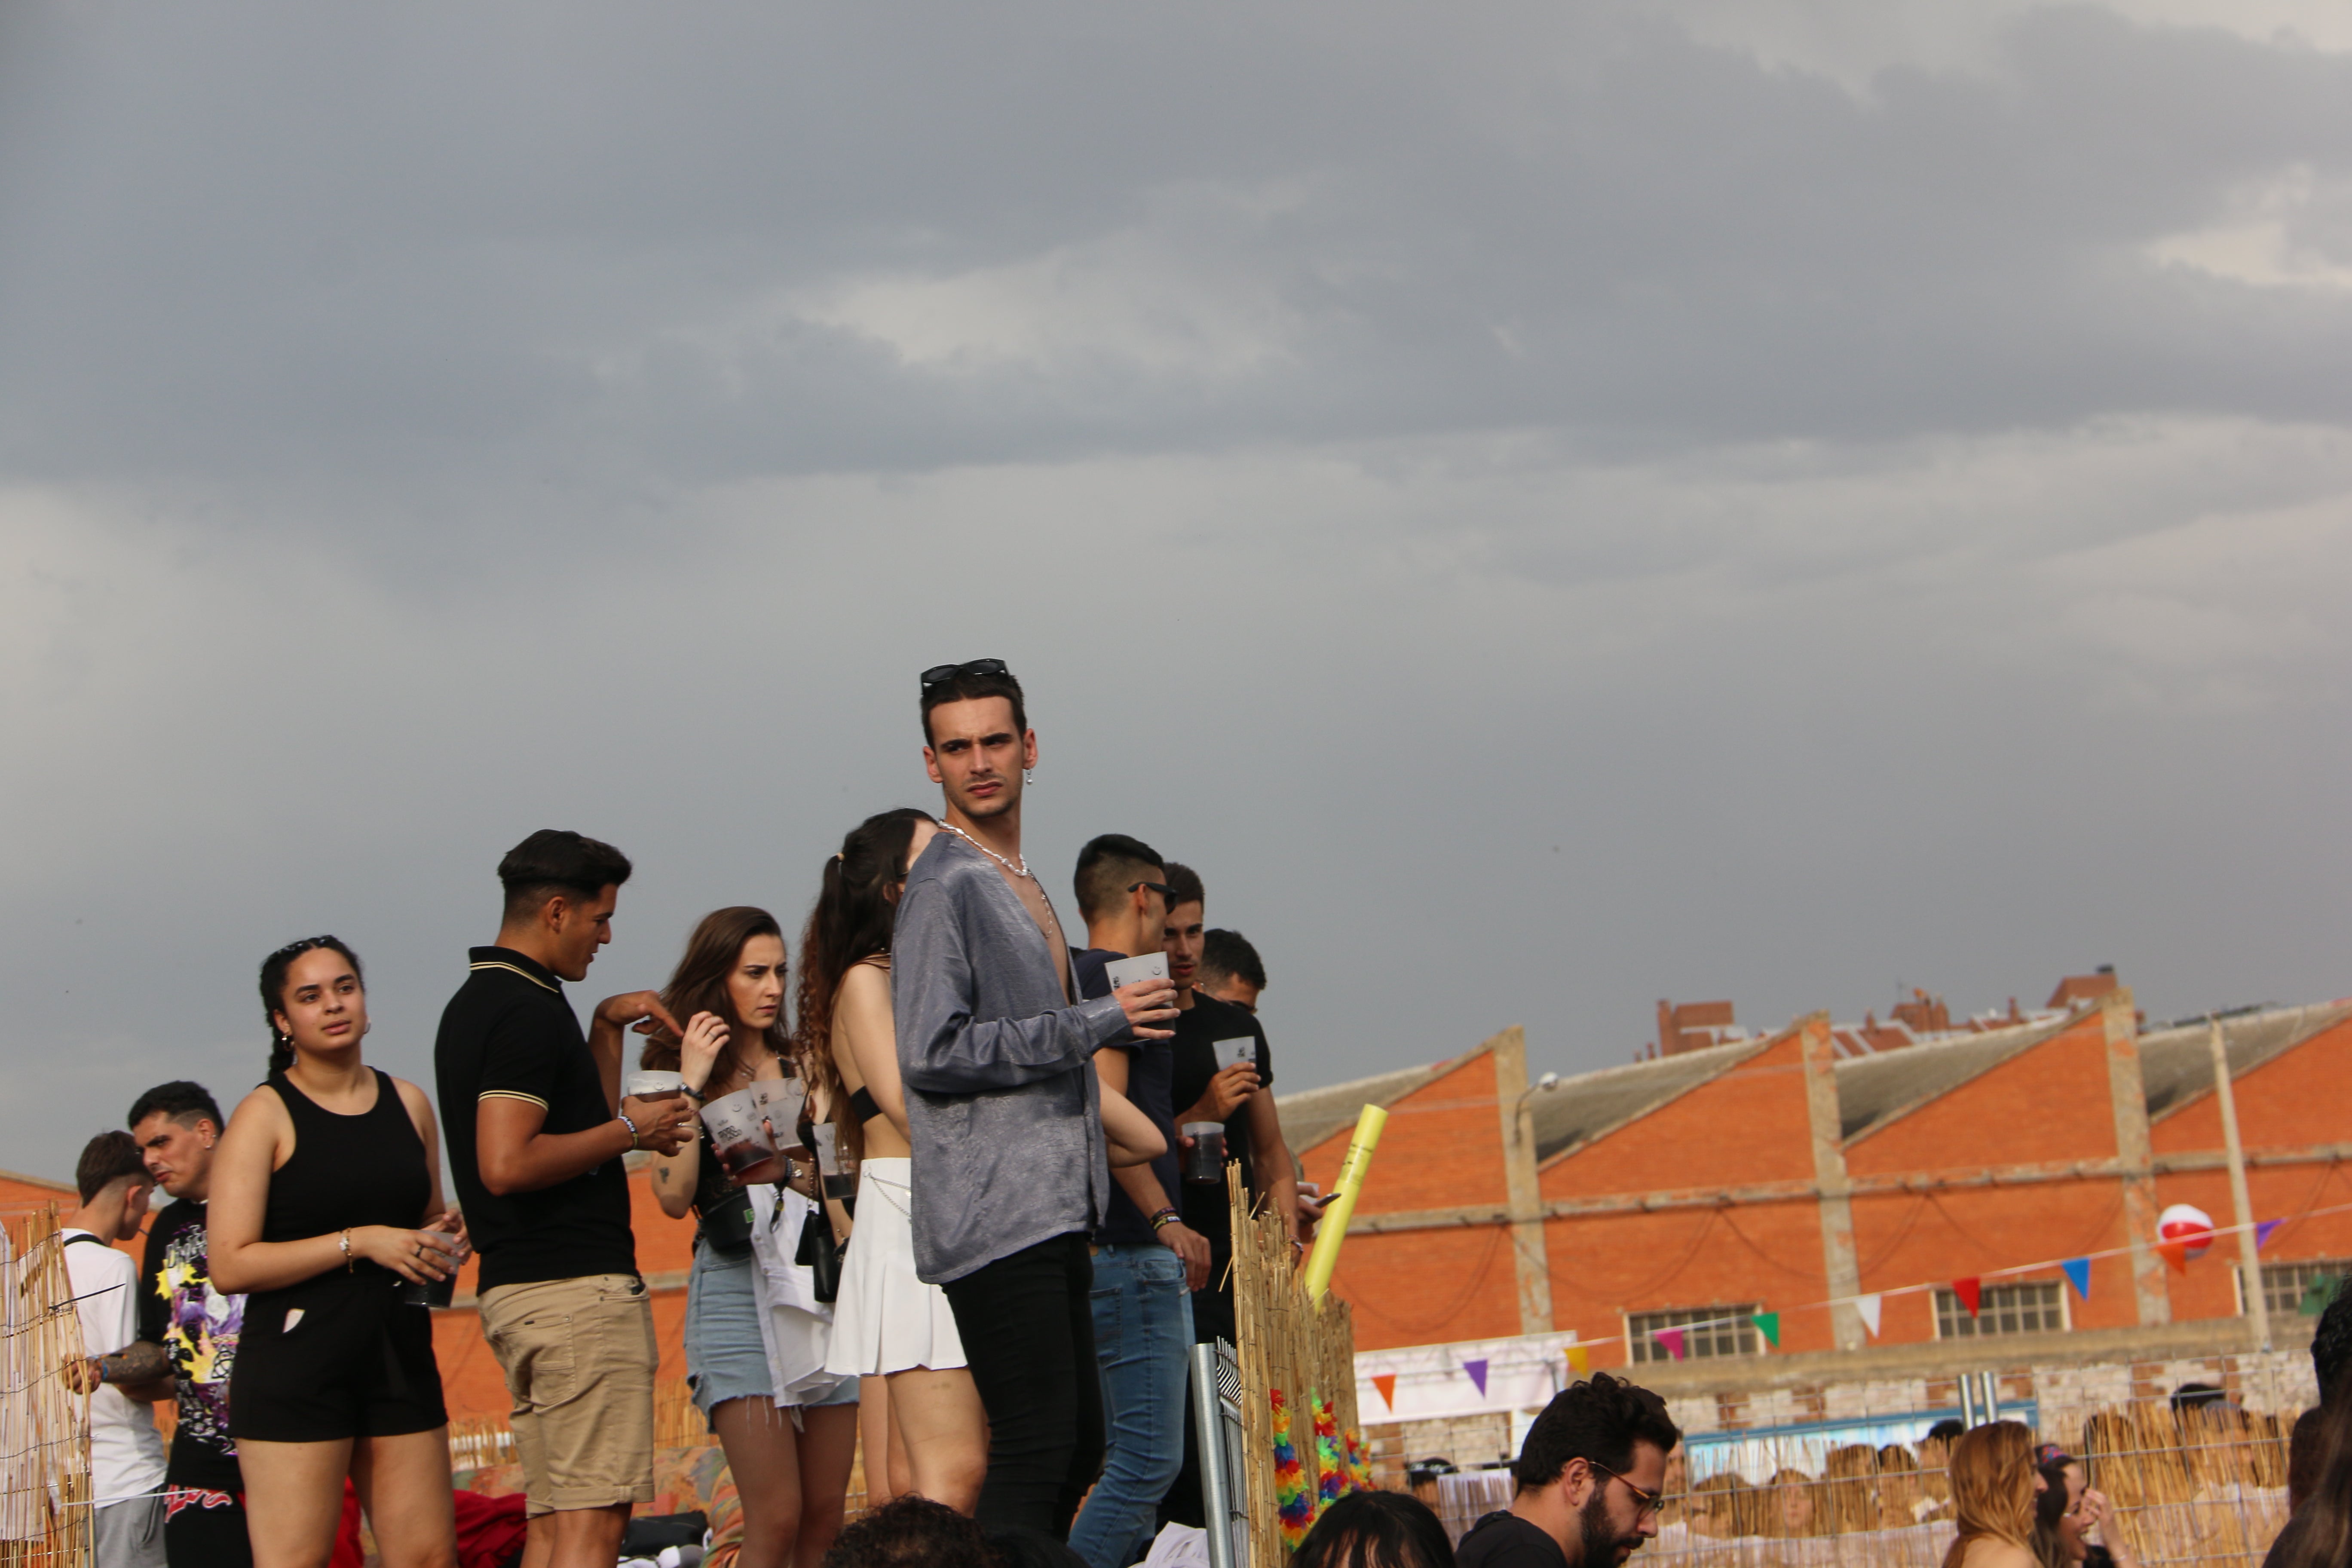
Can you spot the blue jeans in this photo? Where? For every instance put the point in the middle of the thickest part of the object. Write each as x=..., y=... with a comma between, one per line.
x=1143, y=1330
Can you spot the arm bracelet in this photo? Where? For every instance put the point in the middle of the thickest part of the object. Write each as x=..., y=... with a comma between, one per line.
x=1165, y=1218
x=344, y=1241
x=630, y=1125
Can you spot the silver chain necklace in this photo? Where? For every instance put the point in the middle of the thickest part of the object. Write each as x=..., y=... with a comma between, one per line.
x=1019, y=870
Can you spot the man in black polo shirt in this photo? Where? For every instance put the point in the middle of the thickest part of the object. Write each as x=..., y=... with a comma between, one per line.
x=536, y=1130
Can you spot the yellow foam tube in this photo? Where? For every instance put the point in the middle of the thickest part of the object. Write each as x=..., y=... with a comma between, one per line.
x=1333, y=1228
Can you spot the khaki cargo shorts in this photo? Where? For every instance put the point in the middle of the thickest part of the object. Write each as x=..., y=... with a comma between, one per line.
x=579, y=1358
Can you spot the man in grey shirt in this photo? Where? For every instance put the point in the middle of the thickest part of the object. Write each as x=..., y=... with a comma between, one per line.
x=1008, y=1170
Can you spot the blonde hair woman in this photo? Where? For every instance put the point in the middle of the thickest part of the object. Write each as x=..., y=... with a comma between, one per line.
x=1993, y=1486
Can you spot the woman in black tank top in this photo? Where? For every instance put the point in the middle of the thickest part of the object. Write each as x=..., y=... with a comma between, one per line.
x=326, y=1199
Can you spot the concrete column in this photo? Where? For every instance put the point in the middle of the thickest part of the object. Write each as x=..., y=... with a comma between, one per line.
x=1522, y=1198
x=2134, y=1154
x=2241, y=1203
x=1839, y=1265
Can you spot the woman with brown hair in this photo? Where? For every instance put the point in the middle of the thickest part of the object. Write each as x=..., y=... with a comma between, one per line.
x=791, y=1466
x=888, y=1326
x=1993, y=1486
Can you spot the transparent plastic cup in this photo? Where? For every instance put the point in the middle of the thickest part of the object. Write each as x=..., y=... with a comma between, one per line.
x=1204, y=1161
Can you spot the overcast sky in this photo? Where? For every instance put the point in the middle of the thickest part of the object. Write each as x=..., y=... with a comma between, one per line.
x=1545, y=506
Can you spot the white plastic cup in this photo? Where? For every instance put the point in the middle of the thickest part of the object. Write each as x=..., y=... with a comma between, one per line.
x=651, y=1084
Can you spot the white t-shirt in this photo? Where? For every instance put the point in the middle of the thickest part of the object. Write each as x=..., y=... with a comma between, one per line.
x=126, y=1453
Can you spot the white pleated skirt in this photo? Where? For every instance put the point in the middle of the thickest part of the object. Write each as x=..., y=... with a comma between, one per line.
x=887, y=1319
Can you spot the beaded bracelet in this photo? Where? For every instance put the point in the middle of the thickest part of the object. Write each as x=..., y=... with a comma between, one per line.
x=1164, y=1218
x=630, y=1125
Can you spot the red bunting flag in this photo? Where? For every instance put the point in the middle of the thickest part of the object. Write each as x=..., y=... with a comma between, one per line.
x=1970, y=1291
x=1386, y=1383
x=1670, y=1338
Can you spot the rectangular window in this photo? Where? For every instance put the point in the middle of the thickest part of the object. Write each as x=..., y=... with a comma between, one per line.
x=1706, y=1332
x=2288, y=1287
x=2035, y=1307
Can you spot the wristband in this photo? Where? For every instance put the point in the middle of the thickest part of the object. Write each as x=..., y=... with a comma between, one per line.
x=630, y=1125
x=1164, y=1218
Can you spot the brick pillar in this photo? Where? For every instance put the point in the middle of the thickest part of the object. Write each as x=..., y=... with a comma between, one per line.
x=2136, y=1159
x=1838, y=1261
x=1530, y=1256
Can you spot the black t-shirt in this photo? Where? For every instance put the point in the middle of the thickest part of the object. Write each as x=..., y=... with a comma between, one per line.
x=198, y=1328
x=1150, y=1068
x=1506, y=1540
x=1194, y=1053
x=509, y=1032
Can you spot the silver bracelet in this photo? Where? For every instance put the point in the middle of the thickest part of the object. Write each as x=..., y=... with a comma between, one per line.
x=630, y=1125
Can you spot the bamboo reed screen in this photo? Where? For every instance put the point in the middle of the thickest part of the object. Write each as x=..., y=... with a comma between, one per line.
x=1305, y=1349
x=43, y=1439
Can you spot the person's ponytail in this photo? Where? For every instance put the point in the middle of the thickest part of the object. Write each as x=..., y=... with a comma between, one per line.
x=281, y=1052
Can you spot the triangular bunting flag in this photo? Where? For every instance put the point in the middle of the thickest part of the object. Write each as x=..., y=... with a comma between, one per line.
x=1386, y=1383
x=2176, y=1256
x=1768, y=1325
x=2078, y=1272
x=1580, y=1360
x=1478, y=1370
x=1670, y=1338
x=1970, y=1291
x=2315, y=1296
x=2263, y=1233
x=1866, y=1308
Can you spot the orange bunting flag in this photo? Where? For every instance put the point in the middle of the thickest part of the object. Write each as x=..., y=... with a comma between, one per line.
x=1580, y=1360
x=1386, y=1383
x=2176, y=1256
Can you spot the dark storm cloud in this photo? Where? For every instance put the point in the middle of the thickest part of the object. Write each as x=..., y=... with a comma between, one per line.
x=262, y=241
x=1544, y=512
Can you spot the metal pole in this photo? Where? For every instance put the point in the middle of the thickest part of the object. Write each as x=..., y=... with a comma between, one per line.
x=1968, y=1399
x=1220, y=1505
x=2242, y=1203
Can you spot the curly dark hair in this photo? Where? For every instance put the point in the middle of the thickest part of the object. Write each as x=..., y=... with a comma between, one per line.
x=1597, y=1420
x=911, y=1531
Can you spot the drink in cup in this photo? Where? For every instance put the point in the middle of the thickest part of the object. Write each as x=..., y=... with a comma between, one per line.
x=1205, y=1160
x=745, y=1153
x=837, y=1185
x=1234, y=1052
x=436, y=1292
x=650, y=1084
x=781, y=1099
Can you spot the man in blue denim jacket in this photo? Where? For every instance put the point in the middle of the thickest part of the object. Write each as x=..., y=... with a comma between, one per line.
x=1009, y=1172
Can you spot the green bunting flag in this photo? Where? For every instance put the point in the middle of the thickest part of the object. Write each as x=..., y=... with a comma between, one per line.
x=2315, y=1296
x=1769, y=1325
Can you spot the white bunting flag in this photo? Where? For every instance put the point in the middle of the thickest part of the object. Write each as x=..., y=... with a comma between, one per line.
x=1868, y=1307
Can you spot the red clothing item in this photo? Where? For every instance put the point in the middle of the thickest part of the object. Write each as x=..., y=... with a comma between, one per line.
x=491, y=1530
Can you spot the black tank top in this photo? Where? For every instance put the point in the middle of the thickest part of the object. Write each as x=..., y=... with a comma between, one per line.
x=347, y=1170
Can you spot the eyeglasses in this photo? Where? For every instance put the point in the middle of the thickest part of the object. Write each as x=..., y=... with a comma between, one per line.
x=1644, y=1502
x=939, y=674
x=1162, y=888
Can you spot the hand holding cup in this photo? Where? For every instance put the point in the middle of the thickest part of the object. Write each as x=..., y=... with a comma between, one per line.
x=1148, y=1003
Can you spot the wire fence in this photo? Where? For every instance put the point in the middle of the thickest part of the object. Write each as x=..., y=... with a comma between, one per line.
x=2194, y=1470
x=44, y=1425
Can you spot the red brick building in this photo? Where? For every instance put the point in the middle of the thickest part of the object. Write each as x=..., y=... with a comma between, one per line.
x=1773, y=1174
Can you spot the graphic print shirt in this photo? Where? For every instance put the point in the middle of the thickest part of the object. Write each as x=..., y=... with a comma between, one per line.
x=197, y=1326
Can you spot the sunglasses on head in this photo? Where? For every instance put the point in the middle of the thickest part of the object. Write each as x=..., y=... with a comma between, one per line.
x=939, y=674
x=305, y=945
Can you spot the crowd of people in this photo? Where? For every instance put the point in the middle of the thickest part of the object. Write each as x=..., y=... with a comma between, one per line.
x=964, y=1201
x=951, y=1218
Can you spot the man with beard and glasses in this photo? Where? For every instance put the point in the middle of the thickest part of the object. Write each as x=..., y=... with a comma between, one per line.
x=1589, y=1477
x=1010, y=1169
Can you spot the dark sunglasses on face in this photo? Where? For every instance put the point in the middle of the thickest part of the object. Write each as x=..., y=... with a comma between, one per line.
x=940, y=673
